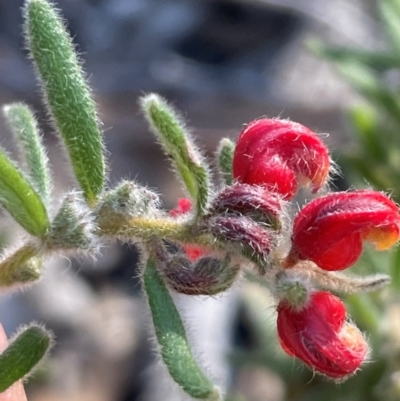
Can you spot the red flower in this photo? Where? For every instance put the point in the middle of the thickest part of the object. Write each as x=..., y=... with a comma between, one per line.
x=329, y=230
x=193, y=252
x=280, y=155
x=319, y=335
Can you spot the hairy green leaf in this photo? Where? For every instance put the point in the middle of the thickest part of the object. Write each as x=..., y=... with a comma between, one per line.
x=22, y=355
x=25, y=129
x=20, y=199
x=67, y=94
x=171, y=336
x=177, y=143
x=225, y=152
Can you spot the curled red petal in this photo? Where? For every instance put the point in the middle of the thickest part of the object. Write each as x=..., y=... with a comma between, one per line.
x=272, y=173
x=267, y=148
x=330, y=230
x=319, y=335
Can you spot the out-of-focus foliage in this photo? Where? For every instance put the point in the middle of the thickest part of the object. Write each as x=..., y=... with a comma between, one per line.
x=375, y=158
x=375, y=122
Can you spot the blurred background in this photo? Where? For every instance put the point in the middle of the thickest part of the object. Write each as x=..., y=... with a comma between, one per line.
x=222, y=63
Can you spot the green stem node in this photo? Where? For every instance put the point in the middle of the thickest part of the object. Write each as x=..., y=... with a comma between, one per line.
x=22, y=267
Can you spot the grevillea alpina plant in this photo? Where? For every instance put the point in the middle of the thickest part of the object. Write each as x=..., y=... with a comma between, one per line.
x=241, y=224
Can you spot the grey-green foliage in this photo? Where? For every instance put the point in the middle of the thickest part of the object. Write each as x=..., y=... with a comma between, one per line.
x=23, y=354
x=25, y=129
x=171, y=336
x=177, y=143
x=67, y=94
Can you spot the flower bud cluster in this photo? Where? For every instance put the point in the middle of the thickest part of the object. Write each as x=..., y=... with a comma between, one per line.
x=327, y=235
x=241, y=217
x=248, y=219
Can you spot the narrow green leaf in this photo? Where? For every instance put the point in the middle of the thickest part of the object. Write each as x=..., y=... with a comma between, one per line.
x=374, y=174
x=22, y=355
x=390, y=11
x=177, y=143
x=366, y=124
x=362, y=306
x=380, y=61
x=67, y=94
x=21, y=200
x=365, y=82
x=225, y=152
x=25, y=129
x=395, y=268
x=171, y=336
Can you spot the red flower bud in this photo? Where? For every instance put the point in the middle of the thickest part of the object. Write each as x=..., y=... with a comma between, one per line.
x=249, y=200
x=193, y=252
x=280, y=155
x=184, y=206
x=329, y=230
x=319, y=335
x=256, y=242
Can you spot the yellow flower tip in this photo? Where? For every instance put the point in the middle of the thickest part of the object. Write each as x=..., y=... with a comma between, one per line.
x=383, y=238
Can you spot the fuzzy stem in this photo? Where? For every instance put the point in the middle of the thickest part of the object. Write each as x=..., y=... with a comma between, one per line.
x=150, y=228
x=340, y=282
x=142, y=227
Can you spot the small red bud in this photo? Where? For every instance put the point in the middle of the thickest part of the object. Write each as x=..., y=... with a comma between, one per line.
x=249, y=200
x=184, y=206
x=320, y=336
x=193, y=251
x=329, y=230
x=280, y=155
